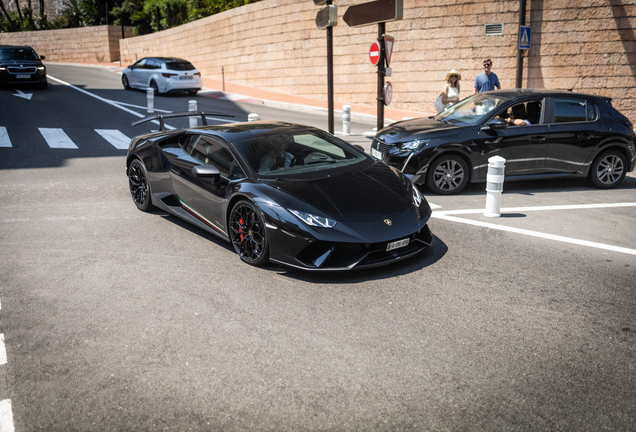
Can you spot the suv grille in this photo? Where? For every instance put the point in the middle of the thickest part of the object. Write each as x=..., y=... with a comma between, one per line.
x=25, y=70
x=380, y=146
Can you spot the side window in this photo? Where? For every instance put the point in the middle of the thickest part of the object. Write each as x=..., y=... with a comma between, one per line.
x=212, y=152
x=523, y=114
x=574, y=110
x=140, y=64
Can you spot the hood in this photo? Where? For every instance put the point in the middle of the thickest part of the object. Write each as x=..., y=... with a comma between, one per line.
x=360, y=196
x=414, y=129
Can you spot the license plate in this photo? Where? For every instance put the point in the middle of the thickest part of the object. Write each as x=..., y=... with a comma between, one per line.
x=397, y=244
x=185, y=78
x=376, y=154
x=23, y=76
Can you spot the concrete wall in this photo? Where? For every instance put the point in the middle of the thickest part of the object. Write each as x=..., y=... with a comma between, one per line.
x=274, y=45
x=79, y=45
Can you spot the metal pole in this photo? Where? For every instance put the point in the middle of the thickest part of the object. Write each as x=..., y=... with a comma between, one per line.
x=522, y=22
x=158, y=22
x=380, y=123
x=223, y=76
x=330, y=77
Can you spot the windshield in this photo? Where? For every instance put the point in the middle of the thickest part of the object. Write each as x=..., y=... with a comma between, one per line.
x=472, y=109
x=17, y=54
x=280, y=153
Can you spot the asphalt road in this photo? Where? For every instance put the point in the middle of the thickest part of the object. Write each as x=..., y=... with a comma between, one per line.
x=117, y=320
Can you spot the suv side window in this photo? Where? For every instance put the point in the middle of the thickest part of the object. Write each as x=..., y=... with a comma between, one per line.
x=574, y=110
x=211, y=152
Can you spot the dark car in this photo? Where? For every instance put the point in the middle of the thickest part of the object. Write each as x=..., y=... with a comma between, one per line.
x=281, y=192
x=21, y=65
x=163, y=74
x=542, y=134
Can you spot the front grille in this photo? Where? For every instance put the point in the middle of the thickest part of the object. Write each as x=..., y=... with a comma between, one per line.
x=26, y=70
x=380, y=146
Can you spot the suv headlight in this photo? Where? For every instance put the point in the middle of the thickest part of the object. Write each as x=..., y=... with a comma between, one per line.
x=417, y=196
x=313, y=220
x=414, y=145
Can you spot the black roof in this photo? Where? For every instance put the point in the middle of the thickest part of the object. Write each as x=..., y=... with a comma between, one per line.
x=516, y=93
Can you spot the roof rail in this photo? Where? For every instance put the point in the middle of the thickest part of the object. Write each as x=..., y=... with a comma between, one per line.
x=160, y=117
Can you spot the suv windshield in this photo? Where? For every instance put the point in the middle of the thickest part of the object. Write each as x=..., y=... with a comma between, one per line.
x=471, y=110
x=179, y=66
x=279, y=153
x=17, y=54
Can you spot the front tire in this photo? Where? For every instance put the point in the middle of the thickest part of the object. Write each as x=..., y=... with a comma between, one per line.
x=139, y=186
x=447, y=175
x=608, y=170
x=125, y=82
x=248, y=233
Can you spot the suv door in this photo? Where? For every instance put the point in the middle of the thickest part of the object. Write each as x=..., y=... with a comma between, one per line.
x=575, y=130
x=524, y=147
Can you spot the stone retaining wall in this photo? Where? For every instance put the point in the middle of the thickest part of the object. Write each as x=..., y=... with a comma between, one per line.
x=98, y=44
x=274, y=45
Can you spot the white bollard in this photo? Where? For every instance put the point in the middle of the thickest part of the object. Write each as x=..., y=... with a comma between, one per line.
x=192, y=106
x=252, y=117
x=150, y=98
x=494, y=186
x=346, y=120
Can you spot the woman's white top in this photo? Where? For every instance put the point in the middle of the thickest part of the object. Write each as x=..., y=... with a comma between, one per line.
x=453, y=93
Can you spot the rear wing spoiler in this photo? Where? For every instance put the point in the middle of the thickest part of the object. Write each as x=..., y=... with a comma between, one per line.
x=160, y=117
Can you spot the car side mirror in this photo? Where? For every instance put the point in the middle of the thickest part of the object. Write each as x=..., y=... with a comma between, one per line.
x=206, y=171
x=495, y=124
x=359, y=147
x=42, y=57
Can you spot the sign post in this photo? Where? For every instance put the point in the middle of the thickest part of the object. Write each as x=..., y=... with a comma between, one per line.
x=378, y=12
x=328, y=18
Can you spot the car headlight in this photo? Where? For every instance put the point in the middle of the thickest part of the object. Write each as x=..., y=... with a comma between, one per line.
x=40, y=67
x=313, y=220
x=414, y=145
x=417, y=196
x=3, y=68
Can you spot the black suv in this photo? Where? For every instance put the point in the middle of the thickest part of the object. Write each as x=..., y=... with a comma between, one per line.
x=541, y=134
x=21, y=65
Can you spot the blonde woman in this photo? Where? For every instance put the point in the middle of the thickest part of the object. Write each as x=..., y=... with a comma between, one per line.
x=450, y=92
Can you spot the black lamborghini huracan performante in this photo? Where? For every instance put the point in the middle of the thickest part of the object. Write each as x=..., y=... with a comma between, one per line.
x=281, y=193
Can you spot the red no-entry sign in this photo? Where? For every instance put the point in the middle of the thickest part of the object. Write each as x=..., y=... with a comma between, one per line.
x=374, y=53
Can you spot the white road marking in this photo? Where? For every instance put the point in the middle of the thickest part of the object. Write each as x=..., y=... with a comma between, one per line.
x=23, y=95
x=6, y=416
x=109, y=102
x=3, y=351
x=537, y=208
x=115, y=137
x=4, y=137
x=57, y=138
x=447, y=215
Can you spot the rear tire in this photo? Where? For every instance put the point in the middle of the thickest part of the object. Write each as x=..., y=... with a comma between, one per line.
x=155, y=87
x=447, y=175
x=608, y=169
x=193, y=92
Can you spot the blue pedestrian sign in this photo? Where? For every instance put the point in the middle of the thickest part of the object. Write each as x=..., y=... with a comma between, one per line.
x=525, y=33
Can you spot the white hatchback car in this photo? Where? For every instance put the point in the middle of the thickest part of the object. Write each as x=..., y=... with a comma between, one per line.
x=163, y=74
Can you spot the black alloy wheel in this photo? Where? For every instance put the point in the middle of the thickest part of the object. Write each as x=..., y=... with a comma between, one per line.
x=447, y=175
x=139, y=187
x=608, y=169
x=248, y=234
x=124, y=81
x=154, y=87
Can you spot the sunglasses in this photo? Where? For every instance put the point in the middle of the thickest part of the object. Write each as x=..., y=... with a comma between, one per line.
x=487, y=64
x=453, y=76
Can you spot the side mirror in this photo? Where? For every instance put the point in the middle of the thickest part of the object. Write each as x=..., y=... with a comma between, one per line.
x=495, y=124
x=206, y=171
x=42, y=57
x=359, y=147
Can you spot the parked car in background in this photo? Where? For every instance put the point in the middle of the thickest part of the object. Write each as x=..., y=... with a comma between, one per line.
x=282, y=193
x=163, y=74
x=542, y=134
x=21, y=65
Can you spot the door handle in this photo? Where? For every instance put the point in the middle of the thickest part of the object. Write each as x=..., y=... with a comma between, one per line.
x=538, y=139
x=585, y=137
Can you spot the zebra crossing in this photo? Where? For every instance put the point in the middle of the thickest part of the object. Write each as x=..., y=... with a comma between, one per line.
x=58, y=139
